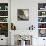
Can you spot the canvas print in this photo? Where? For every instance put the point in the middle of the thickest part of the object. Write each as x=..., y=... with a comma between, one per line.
x=3, y=13
x=41, y=19
x=41, y=6
x=42, y=32
x=41, y=13
x=41, y=25
x=3, y=6
x=3, y=19
x=22, y=14
x=4, y=29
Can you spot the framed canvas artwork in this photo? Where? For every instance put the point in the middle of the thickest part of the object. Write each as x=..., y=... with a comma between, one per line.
x=22, y=14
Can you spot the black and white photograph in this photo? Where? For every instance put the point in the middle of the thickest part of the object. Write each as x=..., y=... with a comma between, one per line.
x=22, y=14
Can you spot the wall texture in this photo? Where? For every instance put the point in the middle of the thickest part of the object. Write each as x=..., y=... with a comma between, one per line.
x=32, y=5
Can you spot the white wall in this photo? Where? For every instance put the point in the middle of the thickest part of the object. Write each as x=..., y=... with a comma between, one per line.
x=24, y=4
x=32, y=5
